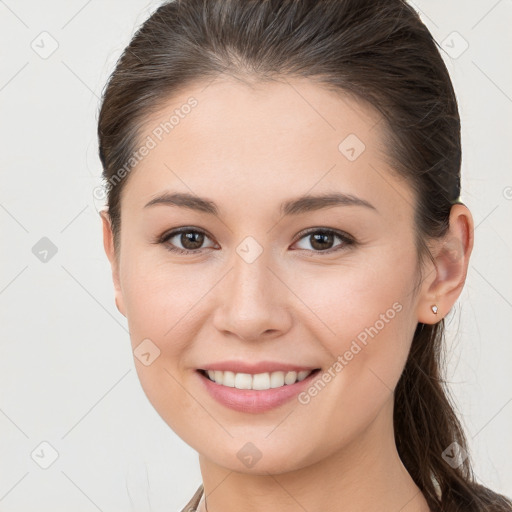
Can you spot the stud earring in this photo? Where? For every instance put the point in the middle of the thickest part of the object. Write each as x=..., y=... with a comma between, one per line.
x=434, y=309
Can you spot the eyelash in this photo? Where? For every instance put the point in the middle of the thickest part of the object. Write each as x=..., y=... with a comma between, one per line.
x=346, y=239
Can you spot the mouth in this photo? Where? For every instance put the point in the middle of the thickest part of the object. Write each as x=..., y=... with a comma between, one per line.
x=255, y=393
x=259, y=381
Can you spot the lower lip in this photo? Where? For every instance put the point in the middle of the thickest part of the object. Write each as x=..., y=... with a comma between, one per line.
x=254, y=401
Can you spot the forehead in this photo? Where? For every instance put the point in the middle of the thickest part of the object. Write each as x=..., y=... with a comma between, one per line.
x=262, y=141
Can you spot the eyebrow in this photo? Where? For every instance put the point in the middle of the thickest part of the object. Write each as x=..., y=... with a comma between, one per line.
x=297, y=206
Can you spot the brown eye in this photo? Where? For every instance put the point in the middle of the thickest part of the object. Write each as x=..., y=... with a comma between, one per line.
x=322, y=240
x=191, y=240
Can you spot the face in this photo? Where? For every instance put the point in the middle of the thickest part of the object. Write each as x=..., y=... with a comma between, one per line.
x=270, y=282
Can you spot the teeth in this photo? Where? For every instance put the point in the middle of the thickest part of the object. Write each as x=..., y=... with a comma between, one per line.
x=303, y=374
x=259, y=381
x=228, y=379
x=277, y=379
x=242, y=381
x=290, y=378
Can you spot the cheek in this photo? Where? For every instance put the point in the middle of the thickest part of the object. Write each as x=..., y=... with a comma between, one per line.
x=166, y=303
x=365, y=316
x=370, y=320
x=348, y=299
x=162, y=303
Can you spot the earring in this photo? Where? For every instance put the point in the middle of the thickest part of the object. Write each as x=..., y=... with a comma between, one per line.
x=434, y=309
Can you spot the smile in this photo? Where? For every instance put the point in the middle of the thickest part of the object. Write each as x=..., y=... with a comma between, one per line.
x=259, y=381
x=255, y=393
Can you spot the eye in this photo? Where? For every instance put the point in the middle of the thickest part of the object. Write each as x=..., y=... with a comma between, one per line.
x=321, y=240
x=190, y=238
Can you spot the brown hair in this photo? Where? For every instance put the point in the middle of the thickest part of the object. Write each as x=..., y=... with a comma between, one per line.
x=377, y=50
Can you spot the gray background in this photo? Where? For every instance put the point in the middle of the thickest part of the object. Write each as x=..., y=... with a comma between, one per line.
x=67, y=375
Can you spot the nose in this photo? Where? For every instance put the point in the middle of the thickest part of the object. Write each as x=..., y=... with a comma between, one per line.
x=253, y=303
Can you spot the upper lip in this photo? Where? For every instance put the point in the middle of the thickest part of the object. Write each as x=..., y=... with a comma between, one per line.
x=255, y=368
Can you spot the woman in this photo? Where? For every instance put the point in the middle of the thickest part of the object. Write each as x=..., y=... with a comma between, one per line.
x=286, y=237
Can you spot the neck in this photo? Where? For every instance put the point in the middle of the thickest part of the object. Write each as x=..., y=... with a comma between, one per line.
x=364, y=475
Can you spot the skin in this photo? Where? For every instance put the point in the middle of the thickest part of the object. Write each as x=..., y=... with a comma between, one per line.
x=248, y=148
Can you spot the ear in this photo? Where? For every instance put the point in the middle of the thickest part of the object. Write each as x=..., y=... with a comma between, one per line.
x=108, y=244
x=444, y=281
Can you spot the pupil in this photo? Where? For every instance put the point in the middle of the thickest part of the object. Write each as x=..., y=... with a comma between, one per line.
x=325, y=237
x=191, y=238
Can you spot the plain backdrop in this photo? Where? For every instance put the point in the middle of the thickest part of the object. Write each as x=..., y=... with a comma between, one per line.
x=70, y=398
